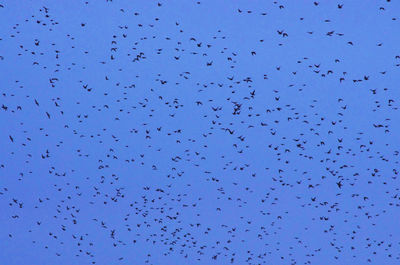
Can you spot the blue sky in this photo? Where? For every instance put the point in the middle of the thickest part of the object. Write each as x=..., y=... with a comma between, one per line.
x=199, y=132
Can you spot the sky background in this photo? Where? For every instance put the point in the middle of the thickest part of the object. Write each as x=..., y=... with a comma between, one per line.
x=199, y=132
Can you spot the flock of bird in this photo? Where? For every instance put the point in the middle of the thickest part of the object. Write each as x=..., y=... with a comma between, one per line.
x=199, y=132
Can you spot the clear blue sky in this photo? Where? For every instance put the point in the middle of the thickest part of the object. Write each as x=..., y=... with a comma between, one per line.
x=199, y=132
